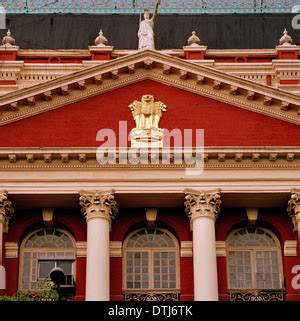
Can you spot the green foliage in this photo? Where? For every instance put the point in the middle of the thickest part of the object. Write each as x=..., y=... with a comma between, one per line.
x=45, y=292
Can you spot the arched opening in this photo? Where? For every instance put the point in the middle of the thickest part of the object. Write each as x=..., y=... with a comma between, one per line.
x=254, y=265
x=151, y=266
x=43, y=250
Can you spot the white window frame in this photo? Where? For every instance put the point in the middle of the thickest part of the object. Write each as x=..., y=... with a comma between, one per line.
x=253, y=250
x=56, y=261
x=151, y=252
x=32, y=250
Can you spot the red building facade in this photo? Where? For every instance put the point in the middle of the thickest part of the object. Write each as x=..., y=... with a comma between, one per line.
x=148, y=230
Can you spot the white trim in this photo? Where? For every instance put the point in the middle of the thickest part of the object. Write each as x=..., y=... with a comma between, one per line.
x=11, y=250
x=221, y=248
x=290, y=248
x=253, y=250
x=115, y=249
x=186, y=249
x=81, y=249
x=151, y=252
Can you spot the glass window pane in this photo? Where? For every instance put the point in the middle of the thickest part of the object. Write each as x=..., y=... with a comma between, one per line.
x=162, y=266
x=66, y=266
x=45, y=269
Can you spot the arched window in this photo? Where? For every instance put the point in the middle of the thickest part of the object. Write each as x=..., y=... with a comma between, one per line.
x=42, y=251
x=151, y=261
x=254, y=260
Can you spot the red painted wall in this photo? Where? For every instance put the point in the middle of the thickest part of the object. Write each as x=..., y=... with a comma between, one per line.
x=76, y=125
x=172, y=219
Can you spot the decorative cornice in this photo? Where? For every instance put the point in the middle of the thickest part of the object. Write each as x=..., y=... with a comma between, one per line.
x=6, y=210
x=202, y=204
x=85, y=158
x=294, y=208
x=98, y=204
x=150, y=65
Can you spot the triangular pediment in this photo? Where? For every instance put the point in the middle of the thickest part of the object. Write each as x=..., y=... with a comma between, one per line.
x=149, y=65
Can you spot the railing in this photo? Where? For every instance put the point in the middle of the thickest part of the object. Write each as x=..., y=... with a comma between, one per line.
x=266, y=295
x=151, y=296
x=136, y=6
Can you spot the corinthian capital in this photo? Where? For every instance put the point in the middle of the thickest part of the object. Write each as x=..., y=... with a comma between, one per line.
x=97, y=204
x=6, y=210
x=202, y=204
x=293, y=208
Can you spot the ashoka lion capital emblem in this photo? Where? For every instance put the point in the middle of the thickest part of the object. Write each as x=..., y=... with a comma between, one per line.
x=147, y=114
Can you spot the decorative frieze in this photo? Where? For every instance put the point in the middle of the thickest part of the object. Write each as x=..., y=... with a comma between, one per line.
x=81, y=84
x=31, y=101
x=131, y=69
x=115, y=74
x=6, y=210
x=48, y=95
x=65, y=90
x=166, y=69
x=31, y=158
x=294, y=208
x=202, y=204
x=12, y=158
x=14, y=106
x=97, y=204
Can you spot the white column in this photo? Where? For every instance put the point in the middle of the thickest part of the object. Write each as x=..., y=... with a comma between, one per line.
x=6, y=211
x=202, y=208
x=99, y=208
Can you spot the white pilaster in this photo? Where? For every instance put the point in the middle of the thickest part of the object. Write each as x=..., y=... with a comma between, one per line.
x=202, y=208
x=99, y=208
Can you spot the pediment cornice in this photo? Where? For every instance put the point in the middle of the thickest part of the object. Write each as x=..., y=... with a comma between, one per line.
x=157, y=66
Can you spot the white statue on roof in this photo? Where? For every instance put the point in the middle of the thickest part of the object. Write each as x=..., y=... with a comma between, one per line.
x=146, y=33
